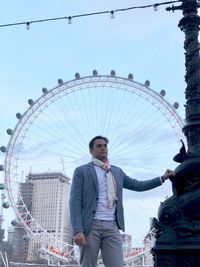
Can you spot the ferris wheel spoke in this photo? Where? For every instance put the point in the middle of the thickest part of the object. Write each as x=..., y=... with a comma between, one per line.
x=49, y=148
x=130, y=126
x=86, y=117
x=88, y=106
x=127, y=110
x=139, y=136
x=65, y=121
x=112, y=111
x=80, y=131
x=51, y=137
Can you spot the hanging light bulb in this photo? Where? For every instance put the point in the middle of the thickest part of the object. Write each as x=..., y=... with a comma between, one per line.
x=155, y=6
x=28, y=25
x=112, y=14
x=69, y=20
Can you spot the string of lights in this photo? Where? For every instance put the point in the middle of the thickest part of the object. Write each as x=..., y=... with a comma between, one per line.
x=69, y=18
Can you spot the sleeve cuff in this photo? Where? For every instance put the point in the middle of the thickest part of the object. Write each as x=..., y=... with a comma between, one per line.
x=162, y=180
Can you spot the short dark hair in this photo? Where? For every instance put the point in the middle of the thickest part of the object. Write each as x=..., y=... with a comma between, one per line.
x=91, y=143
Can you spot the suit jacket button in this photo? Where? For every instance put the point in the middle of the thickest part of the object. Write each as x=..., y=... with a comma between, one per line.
x=97, y=198
x=93, y=211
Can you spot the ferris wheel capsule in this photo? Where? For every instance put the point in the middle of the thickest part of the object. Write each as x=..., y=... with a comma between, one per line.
x=3, y=149
x=60, y=81
x=147, y=83
x=6, y=205
x=176, y=105
x=95, y=72
x=31, y=102
x=14, y=223
x=77, y=75
x=2, y=186
x=26, y=237
x=19, y=115
x=130, y=76
x=44, y=90
x=9, y=131
x=113, y=73
x=162, y=93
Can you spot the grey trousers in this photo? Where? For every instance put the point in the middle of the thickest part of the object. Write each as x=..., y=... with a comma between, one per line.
x=104, y=236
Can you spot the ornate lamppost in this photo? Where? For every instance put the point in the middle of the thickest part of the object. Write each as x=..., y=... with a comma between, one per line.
x=178, y=225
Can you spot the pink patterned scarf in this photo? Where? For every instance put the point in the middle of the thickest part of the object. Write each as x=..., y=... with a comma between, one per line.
x=110, y=181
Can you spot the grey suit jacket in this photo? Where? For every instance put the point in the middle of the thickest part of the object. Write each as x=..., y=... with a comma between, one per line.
x=84, y=195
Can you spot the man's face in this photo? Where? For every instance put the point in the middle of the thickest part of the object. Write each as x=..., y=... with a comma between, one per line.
x=99, y=150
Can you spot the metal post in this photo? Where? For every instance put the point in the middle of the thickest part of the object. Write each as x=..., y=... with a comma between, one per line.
x=178, y=225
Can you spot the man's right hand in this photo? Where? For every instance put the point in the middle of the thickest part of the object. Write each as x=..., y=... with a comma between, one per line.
x=80, y=239
x=168, y=174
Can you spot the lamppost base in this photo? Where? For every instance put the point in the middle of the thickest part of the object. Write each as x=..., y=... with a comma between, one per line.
x=177, y=254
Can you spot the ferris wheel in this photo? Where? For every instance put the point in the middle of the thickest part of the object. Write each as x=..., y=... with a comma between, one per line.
x=143, y=129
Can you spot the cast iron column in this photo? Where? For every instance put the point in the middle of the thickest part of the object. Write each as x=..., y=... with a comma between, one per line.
x=178, y=225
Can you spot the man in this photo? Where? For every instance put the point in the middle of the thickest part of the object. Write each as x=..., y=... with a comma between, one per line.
x=96, y=209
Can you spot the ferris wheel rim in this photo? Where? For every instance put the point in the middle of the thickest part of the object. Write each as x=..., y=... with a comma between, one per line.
x=48, y=97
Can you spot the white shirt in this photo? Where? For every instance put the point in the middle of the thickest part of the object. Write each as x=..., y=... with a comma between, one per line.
x=102, y=211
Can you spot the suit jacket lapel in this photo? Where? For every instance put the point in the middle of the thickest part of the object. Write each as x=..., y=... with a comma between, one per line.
x=93, y=175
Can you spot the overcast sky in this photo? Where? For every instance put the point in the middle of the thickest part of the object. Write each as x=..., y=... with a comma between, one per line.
x=144, y=42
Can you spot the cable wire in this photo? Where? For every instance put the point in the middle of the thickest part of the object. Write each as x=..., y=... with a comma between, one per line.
x=69, y=18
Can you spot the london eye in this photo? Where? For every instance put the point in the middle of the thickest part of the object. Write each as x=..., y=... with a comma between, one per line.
x=143, y=128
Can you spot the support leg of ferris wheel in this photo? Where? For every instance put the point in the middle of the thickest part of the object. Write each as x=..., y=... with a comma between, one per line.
x=4, y=259
x=53, y=261
x=143, y=259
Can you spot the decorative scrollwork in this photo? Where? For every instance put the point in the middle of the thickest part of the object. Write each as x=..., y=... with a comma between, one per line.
x=193, y=91
x=193, y=135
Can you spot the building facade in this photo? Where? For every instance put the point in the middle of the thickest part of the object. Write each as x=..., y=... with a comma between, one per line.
x=17, y=247
x=50, y=207
x=46, y=196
